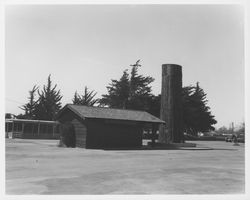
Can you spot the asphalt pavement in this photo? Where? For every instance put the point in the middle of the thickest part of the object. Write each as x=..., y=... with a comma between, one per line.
x=40, y=167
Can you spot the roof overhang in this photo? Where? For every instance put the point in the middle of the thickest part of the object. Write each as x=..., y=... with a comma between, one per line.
x=30, y=121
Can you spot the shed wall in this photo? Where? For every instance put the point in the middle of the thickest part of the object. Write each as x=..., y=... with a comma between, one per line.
x=79, y=127
x=108, y=135
x=80, y=133
x=102, y=133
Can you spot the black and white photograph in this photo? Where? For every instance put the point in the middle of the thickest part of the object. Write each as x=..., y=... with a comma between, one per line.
x=124, y=99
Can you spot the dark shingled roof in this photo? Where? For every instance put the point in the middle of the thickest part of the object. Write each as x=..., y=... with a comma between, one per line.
x=110, y=113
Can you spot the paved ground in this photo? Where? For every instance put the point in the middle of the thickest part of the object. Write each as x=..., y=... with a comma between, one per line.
x=40, y=167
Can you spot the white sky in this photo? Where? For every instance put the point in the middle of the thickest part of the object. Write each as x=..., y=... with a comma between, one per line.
x=88, y=45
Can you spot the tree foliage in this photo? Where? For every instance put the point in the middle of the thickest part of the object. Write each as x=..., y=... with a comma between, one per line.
x=155, y=105
x=118, y=93
x=140, y=89
x=197, y=116
x=29, y=108
x=131, y=91
x=49, y=102
x=88, y=98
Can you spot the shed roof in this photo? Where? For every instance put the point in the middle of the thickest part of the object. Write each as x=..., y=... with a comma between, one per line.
x=30, y=121
x=111, y=113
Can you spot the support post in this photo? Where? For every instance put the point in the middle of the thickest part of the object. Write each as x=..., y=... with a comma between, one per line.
x=154, y=129
x=13, y=129
x=7, y=130
x=38, y=129
x=32, y=132
x=171, y=104
x=53, y=130
x=22, y=130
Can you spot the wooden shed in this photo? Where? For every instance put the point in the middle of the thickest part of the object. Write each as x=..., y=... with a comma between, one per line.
x=98, y=127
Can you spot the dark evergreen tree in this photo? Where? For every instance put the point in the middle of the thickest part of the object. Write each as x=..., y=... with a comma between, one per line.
x=77, y=99
x=189, y=109
x=29, y=108
x=49, y=102
x=118, y=93
x=140, y=90
x=130, y=92
x=155, y=105
x=197, y=116
x=88, y=98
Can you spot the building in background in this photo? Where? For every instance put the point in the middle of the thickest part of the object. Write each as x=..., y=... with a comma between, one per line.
x=31, y=129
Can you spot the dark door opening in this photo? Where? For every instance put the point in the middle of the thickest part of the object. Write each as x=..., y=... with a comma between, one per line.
x=68, y=135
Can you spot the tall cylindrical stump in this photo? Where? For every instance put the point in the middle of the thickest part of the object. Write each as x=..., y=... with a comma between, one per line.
x=171, y=104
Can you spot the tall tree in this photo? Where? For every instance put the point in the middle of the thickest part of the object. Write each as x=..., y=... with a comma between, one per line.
x=197, y=116
x=49, y=102
x=29, y=108
x=76, y=99
x=88, y=98
x=130, y=91
x=118, y=93
x=140, y=89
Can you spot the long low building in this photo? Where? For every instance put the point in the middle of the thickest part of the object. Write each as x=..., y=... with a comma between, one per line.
x=98, y=127
x=32, y=129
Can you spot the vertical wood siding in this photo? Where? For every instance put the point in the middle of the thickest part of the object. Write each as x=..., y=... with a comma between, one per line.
x=79, y=126
x=80, y=133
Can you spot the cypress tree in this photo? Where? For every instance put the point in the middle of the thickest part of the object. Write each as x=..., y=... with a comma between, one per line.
x=88, y=98
x=49, y=102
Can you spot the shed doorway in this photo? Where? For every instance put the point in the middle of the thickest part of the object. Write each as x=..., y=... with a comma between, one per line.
x=68, y=135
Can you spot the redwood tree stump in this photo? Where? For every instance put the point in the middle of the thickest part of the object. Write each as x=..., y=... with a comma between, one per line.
x=171, y=104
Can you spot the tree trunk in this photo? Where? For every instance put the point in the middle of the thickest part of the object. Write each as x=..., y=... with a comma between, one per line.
x=171, y=104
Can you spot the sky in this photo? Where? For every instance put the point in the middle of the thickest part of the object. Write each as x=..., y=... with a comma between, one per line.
x=88, y=45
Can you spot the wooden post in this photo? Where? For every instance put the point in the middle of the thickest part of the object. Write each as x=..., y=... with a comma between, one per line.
x=32, y=129
x=7, y=130
x=38, y=129
x=13, y=129
x=171, y=104
x=53, y=130
x=22, y=130
x=154, y=128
